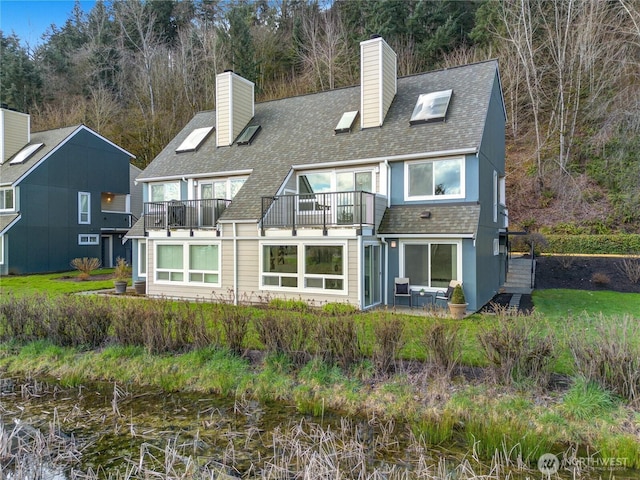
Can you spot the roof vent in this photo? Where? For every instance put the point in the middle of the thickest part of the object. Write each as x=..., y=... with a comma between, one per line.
x=378, y=84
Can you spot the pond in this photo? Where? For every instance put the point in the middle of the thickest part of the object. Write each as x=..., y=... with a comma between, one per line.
x=115, y=431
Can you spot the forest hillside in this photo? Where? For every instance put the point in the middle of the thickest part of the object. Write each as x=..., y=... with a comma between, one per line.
x=136, y=72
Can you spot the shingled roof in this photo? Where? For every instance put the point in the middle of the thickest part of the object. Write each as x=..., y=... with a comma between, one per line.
x=52, y=139
x=300, y=131
x=454, y=219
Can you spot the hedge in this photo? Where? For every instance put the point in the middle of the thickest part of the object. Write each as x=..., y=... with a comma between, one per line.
x=621, y=243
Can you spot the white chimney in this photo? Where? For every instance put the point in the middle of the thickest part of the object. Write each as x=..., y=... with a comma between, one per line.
x=234, y=106
x=378, y=84
x=16, y=132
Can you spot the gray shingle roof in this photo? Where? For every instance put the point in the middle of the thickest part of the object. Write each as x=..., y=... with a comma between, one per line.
x=51, y=139
x=6, y=219
x=300, y=130
x=454, y=219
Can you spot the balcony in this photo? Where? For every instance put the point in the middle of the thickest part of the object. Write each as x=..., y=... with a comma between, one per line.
x=183, y=214
x=323, y=210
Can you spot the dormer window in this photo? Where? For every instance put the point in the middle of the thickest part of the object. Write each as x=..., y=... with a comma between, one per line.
x=431, y=107
x=346, y=122
x=194, y=140
x=6, y=199
x=25, y=153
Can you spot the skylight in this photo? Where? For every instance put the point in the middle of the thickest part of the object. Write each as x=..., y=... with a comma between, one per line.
x=194, y=140
x=247, y=136
x=431, y=107
x=25, y=153
x=346, y=122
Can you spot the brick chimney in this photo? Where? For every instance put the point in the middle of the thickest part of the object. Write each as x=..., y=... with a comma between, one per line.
x=378, y=84
x=234, y=106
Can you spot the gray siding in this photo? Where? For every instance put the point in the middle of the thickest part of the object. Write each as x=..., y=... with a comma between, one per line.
x=15, y=132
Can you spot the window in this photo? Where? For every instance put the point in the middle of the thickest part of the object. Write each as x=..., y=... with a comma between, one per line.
x=194, y=140
x=6, y=199
x=346, y=122
x=188, y=263
x=336, y=181
x=247, y=136
x=431, y=265
x=324, y=267
x=25, y=153
x=313, y=267
x=503, y=190
x=164, y=192
x=142, y=258
x=280, y=266
x=84, y=207
x=222, y=189
x=1, y=249
x=430, y=179
x=88, y=239
x=431, y=107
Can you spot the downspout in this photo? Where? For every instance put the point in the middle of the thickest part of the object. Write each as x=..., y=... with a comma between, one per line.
x=235, y=264
x=386, y=269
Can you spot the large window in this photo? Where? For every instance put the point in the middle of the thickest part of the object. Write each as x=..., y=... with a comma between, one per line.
x=280, y=266
x=84, y=207
x=226, y=189
x=188, y=263
x=164, y=192
x=312, y=267
x=6, y=199
x=431, y=265
x=428, y=179
x=336, y=181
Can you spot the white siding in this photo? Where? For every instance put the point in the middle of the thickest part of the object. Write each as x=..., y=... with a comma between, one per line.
x=15, y=133
x=234, y=107
x=378, y=81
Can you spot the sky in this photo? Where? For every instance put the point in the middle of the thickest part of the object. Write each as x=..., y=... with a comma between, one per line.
x=29, y=19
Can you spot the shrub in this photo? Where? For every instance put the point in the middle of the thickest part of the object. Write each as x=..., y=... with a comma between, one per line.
x=388, y=330
x=630, y=267
x=235, y=324
x=515, y=350
x=295, y=305
x=566, y=261
x=457, y=297
x=85, y=266
x=337, y=342
x=621, y=243
x=600, y=278
x=122, y=271
x=611, y=357
x=443, y=346
x=335, y=308
x=284, y=333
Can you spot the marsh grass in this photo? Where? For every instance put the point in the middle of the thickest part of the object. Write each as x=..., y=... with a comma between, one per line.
x=586, y=399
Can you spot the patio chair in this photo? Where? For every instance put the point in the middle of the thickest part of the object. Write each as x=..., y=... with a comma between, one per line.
x=445, y=295
x=401, y=289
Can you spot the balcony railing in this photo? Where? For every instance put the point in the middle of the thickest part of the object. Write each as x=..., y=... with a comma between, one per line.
x=183, y=214
x=335, y=209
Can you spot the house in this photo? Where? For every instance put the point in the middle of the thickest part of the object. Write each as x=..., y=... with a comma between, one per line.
x=64, y=193
x=328, y=197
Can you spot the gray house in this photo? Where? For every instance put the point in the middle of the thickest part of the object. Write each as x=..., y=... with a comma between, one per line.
x=329, y=197
x=64, y=193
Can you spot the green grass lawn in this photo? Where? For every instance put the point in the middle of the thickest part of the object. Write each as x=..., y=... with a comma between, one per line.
x=564, y=304
x=52, y=283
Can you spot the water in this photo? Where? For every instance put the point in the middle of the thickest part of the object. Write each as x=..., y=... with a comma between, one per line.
x=114, y=431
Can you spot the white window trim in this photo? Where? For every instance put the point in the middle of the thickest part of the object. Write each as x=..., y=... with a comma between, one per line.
x=300, y=274
x=88, y=239
x=503, y=190
x=185, y=264
x=374, y=170
x=80, y=195
x=462, y=193
x=2, y=192
x=426, y=241
x=1, y=249
x=141, y=259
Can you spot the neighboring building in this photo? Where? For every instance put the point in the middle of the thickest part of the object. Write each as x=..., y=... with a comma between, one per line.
x=328, y=197
x=64, y=193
